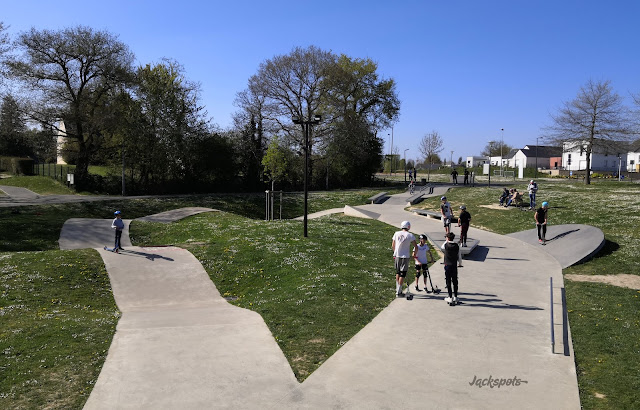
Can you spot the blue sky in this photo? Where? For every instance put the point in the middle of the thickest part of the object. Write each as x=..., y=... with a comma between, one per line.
x=464, y=68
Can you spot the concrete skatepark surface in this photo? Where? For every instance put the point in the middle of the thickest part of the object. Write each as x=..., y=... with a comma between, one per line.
x=569, y=244
x=180, y=344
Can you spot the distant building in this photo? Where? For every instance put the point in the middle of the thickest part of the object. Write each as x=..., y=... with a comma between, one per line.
x=476, y=161
x=61, y=139
x=603, y=158
x=633, y=157
x=534, y=155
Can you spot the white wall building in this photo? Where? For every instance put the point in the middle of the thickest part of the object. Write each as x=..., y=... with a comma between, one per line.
x=476, y=161
x=574, y=158
x=633, y=157
x=61, y=138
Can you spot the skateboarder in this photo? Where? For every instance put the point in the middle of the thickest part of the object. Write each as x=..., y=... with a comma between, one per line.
x=423, y=259
x=401, y=244
x=541, y=222
x=118, y=225
x=452, y=257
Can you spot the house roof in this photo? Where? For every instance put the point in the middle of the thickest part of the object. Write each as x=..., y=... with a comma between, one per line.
x=635, y=146
x=541, y=151
x=511, y=153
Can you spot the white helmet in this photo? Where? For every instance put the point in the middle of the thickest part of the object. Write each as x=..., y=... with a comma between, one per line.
x=405, y=225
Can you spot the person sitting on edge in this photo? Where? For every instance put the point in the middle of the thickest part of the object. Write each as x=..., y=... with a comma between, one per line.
x=504, y=196
x=514, y=197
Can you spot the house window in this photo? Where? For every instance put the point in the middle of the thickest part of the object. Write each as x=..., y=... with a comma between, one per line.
x=631, y=162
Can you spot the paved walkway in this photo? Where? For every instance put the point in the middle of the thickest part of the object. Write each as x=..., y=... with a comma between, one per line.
x=179, y=344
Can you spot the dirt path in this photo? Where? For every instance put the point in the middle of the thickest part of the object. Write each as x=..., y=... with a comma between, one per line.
x=623, y=280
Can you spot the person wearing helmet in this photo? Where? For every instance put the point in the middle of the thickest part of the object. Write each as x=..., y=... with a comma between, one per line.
x=532, y=188
x=447, y=214
x=463, y=223
x=423, y=259
x=401, y=244
x=118, y=225
x=541, y=222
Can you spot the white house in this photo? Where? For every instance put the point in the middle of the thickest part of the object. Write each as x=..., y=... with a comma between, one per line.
x=476, y=161
x=603, y=158
x=533, y=155
x=633, y=157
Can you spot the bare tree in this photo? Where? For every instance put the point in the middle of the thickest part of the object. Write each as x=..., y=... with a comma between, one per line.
x=430, y=145
x=595, y=119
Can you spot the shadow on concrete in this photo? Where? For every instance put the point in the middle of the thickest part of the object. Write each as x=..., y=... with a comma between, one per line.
x=479, y=254
x=562, y=235
x=509, y=259
x=150, y=256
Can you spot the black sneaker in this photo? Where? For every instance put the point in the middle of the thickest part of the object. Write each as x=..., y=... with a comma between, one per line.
x=400, y=294
x=418, y=289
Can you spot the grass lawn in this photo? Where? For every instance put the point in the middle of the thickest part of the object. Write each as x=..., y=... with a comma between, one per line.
x=58, y=318
x=314, y=293
x=604, y=319
x=39, y=185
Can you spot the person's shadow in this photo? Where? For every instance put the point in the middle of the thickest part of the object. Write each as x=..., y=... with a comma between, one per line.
x=151, y=256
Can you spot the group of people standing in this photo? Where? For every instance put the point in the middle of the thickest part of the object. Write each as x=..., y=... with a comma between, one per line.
x=404, y=246
x=454, y=176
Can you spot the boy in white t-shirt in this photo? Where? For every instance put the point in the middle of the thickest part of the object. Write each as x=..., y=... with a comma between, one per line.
x=401, y=244
x=423, y=259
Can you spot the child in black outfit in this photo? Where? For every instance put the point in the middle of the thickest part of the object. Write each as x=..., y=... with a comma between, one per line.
x=452, y=256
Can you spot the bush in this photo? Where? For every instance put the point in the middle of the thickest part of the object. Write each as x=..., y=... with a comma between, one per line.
x=17, y=166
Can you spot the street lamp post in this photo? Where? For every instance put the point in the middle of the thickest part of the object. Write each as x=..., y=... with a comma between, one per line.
x=490, y=148
x=451, y=159
x=390, y=148
x=537, y=158
x=501, y=158
x=405, y=165
x=391, y=154
x=305, y=127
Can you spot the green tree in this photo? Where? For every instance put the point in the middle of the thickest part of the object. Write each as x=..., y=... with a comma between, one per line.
x=276, y=162
x=71, y=72
x=171, y=120
x=13, y=137
x=357, y=104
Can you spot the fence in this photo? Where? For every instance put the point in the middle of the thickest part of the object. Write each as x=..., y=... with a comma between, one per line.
x=62, y=173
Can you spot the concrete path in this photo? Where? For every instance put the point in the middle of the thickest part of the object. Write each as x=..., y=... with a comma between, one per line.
x=17, y=194
x=180, y=345
x=80, y=233
x=175, y=214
